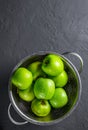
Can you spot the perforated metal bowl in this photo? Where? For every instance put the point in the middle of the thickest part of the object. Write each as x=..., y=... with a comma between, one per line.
x=73, y=89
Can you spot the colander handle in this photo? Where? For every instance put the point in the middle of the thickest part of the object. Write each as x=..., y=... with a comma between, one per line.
x=79, y=57
x=12, y=120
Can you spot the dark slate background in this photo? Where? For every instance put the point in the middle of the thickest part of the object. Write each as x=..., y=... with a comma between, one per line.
x=28, y=26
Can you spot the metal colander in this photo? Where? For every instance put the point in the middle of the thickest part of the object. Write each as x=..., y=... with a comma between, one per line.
x=73, y=89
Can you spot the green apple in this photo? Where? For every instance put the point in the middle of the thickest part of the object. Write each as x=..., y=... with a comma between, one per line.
x=36, y=70
x=44, y=88
x=40, y=107
x=46, y=118
x=27, y=94
x=59, y=98
x=52, y=65
x=22, y=78
x=61, y=79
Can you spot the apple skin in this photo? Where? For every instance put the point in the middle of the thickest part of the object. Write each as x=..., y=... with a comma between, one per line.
x=40, y=108
x=22, y=78
x=44, y=88
x=59, y=98
x=36, y=70
x=26, y=95
x=61, y=79
x=52, y=65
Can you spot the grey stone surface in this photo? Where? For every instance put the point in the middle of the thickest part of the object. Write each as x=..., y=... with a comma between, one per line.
x=28, y=26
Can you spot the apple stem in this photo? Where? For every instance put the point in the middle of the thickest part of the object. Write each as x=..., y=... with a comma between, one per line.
x=43, y=102
x=46, y=62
